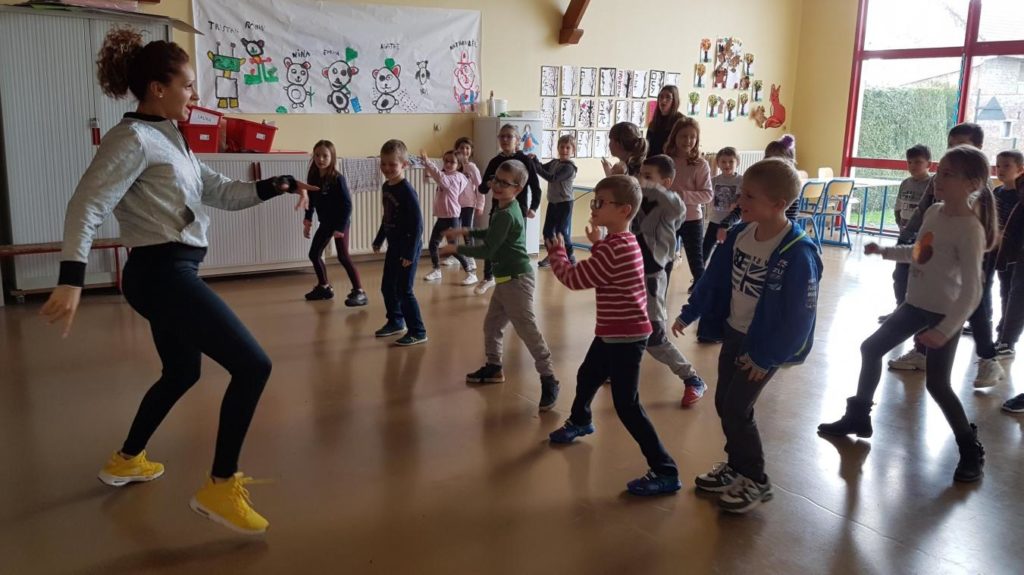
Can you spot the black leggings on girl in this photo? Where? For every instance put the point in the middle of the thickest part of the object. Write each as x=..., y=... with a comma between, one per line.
x=321, y=238
x=188, y=320
x=904, y=323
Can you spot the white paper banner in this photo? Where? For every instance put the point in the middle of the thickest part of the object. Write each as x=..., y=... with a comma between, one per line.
x=301, y=56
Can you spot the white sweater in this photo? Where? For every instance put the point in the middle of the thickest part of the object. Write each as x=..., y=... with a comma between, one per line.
x=945, y=267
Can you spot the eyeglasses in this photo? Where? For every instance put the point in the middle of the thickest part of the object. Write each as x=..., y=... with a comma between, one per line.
x=598, y=203
x=504, y=183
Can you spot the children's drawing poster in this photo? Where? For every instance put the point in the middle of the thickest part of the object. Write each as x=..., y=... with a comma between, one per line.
x=607, y=83
x=621, y=111
x=655, y=81
x=638, y=87
x=548, y=80
x=601, y=144
x=637, y=109
x=569, y=84
x=549, y=112
x=529, y=142
x=588, y=81
x=622, y=80
x=585, y=114
x=672, y=78
x=547, y=144
x=305, y=56
x=584, y=143
x=604, y=114
x=567, y=112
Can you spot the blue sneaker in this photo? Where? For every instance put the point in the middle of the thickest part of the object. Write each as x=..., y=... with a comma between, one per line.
x=654, y=484
x=695, y=388
x=570, y=431
x=389, y=330
x=410, y=339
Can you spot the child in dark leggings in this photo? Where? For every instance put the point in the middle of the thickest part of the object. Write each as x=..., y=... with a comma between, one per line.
x=333, y=207
x=944, y=290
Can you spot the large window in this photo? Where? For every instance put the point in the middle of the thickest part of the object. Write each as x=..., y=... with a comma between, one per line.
x=922, y=66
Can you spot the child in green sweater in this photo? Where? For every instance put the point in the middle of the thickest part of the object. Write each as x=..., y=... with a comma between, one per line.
x=504, y=244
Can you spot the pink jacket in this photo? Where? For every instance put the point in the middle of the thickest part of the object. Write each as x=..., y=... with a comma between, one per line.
x=450, y=187
x=693, y=184
x=471, y=197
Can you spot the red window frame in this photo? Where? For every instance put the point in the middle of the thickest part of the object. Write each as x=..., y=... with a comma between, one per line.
x=971, y=48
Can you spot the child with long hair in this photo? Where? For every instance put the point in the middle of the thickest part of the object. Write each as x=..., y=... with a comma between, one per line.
x=693, y=184
x=944, y=289
x=333, y=207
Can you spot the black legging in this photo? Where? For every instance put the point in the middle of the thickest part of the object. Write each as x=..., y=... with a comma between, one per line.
x=441, y=225
x=321, y=238
x=691, y=234
x=904, y=323
x=188, y=320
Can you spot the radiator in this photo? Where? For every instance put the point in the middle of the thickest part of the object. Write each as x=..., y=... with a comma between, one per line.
x=364, y=179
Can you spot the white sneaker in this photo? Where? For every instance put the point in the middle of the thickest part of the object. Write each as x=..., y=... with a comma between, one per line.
x=482, y=287
x=913, y=360
x=471, y=268
x=451, y=261
x=470, y=279
x=433, y=276
x=989, y=373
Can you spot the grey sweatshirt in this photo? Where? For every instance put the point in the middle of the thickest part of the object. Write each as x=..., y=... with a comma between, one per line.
x=146, y=175
x=560, y=176
x=660, y=214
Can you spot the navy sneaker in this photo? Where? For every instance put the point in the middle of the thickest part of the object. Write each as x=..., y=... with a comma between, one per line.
x=654, y=484
x=410, y=339
x=389, y=330
x=548, y=392
x=570, y=431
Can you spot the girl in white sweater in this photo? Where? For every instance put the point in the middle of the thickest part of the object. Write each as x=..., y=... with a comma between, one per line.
x=944, y=289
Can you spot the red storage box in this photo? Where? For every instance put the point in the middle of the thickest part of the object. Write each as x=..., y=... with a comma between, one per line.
x=246, y=136
x=201, y=139
x=204, y=116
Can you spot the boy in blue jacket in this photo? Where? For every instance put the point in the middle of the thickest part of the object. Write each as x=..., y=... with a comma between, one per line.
x=759, y=296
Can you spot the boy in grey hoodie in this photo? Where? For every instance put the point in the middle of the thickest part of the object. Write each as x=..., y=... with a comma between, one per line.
x=660, y=214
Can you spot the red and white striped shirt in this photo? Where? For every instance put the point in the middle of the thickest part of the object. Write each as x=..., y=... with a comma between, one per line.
x=616, y=269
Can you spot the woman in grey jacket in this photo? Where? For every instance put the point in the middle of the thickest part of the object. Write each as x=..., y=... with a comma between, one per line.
x=145, y=173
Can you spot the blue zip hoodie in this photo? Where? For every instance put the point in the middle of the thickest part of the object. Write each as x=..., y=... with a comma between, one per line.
x=782, y=329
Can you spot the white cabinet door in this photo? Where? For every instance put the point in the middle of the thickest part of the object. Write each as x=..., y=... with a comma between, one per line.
x=45, y=68
x=232, y=235
x=280, y=226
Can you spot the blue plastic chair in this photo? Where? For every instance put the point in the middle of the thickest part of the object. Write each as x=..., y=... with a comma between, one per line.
x=810, y=205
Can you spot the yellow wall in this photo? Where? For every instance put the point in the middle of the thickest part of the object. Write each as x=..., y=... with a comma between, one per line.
x=804, y=45
x=827, y=32
x=519, y=36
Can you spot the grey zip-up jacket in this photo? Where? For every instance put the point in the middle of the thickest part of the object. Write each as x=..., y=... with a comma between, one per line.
x=560, y=176
x=147, y=176
x=660, y=214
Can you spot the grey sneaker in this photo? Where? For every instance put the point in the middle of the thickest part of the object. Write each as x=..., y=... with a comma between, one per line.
x=745, y=494
x=718, y=480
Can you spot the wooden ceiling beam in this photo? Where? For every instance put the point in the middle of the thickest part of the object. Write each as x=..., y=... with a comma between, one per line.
x=571, y=32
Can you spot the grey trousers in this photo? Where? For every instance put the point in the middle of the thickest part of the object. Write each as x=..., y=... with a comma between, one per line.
x=658, y=344
x=512, y=301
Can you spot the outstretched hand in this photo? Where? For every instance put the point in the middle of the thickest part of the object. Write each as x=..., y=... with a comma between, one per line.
x=62, y=306
x=448, y=250
x=452, y=234
x=678, y=327
x=302, y=189
x=554, y=243
x=932, y=339
x=872, y=249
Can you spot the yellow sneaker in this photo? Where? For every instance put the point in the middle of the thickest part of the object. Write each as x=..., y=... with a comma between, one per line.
x=228, y=503
x=120, y=471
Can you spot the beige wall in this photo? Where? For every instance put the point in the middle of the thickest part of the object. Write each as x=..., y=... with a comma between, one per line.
x=805, y=45
x=520, y=36
x=823, y=81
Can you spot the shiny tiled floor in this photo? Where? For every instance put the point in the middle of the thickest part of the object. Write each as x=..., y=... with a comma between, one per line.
x=384, y=461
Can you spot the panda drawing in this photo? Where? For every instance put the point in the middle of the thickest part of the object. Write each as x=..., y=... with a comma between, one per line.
x=387, y=83
x=298, y=77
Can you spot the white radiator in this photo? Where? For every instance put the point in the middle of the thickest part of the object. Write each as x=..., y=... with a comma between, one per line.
x=364, y=179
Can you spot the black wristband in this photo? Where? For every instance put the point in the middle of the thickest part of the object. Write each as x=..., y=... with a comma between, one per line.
x=271, y=187
x=71, y=273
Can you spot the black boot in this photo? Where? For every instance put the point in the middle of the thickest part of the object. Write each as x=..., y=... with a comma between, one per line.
x=857, y=420
x=972, y=457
